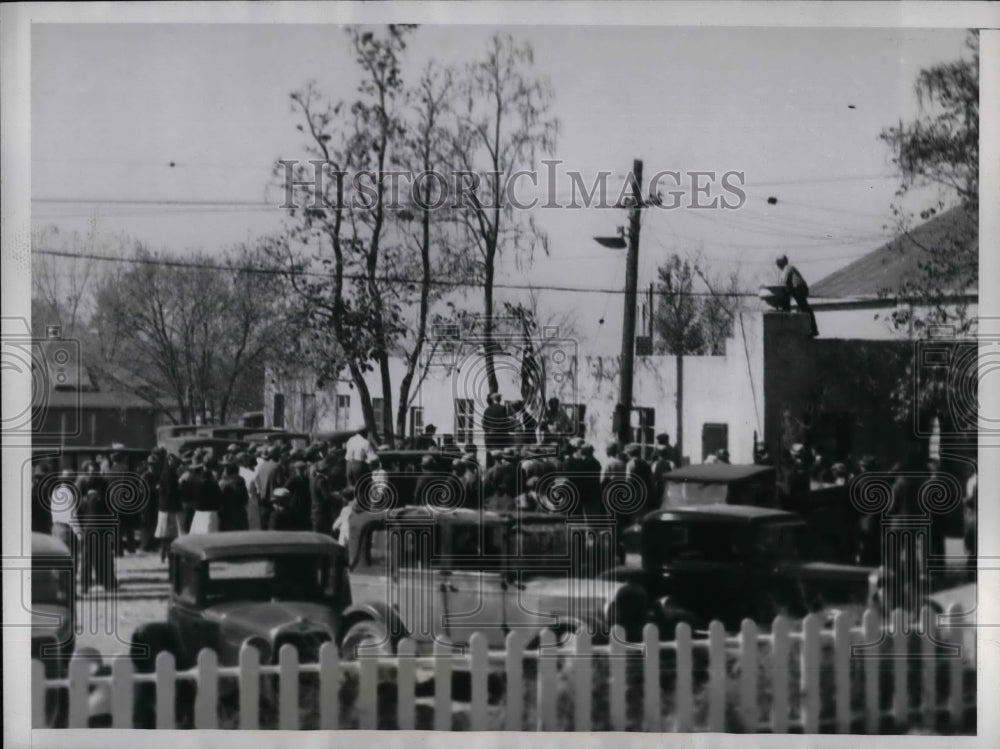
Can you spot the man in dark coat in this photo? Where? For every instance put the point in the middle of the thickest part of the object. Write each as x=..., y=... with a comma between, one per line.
x=98, y=564
x=41, y=517
x=235, y=498
x=300, y=500
x=494, y=424
x=270, y=476
x=321, y=509
x=640, y=473
x=148, y=513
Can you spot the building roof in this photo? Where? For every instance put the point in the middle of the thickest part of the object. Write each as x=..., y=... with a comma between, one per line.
x=717, y=473
x=897, y=261
x=208, y=546
x=96, y=399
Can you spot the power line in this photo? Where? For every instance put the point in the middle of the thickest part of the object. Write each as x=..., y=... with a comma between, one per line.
x=353, y=276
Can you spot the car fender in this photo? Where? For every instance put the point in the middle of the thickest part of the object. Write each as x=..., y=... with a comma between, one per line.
x=151, y=639
x=378, y=611
x=670, y=613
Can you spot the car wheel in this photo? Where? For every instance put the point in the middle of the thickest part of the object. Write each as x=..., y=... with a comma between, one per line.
x=369, y=634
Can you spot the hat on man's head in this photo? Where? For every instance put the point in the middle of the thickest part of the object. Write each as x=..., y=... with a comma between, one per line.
x=233, y=448
x=633, y=450
x=430, y=429
x=781, y=260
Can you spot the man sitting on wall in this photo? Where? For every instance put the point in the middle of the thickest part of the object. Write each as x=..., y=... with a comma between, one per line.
x=797, y=289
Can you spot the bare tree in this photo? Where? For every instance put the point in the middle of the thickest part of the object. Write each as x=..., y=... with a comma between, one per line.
x=191, y=335
x=504, y=124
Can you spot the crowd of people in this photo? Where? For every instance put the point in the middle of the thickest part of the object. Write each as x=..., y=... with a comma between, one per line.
x=281, y=487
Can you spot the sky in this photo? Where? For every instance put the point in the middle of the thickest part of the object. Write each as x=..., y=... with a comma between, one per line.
x=130, y=112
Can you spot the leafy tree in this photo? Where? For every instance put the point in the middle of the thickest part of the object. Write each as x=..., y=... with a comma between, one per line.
x=939, y=150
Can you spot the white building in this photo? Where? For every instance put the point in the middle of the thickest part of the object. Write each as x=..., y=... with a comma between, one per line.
x=722, y=395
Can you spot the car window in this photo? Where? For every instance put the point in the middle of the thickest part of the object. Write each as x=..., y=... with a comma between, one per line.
x=186, y=581
x=784, y=541
x=286, y=576
x=540, y=539
x=675, y=542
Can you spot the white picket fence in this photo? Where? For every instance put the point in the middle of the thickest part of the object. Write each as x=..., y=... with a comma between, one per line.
x=802, y=679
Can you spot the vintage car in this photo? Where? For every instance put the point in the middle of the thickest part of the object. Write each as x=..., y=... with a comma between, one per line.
x=828, y=511
x=231, y=431
x=172, y=431
x=74, y=458
x=264, y=587
x=53, y=637
x=714, y=483
x=730, y=562
x=271, y=437
x=443, y=574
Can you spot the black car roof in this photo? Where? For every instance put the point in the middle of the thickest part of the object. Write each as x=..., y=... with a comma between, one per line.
x=723, y=513
x=717, y=473
x=44, y=545
x=209, y=546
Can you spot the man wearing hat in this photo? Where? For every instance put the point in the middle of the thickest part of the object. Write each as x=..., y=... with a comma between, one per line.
x=282, y=516
x=639, y=473
x=207, y=500
x=321, y=507
x=428, y=440
x=235, y=498
x=589, y=480
x=169, y=518
x=150, y=478
x=270, y=475
x=797, y=289
x=425, y=481
x=494, y=423
x=247, y=462
x=298, y=489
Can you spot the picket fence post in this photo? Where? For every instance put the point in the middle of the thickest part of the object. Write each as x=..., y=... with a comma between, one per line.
x=683, y=683
x=716, y=677
x=929, y=662
x=900, y=664
x=514, y=661
x=842, y=670
x=288, y=688
x=166, y=690
x=329, y=687
x=616, y=688
x=442, y=686
x=547, y=693
x=249, y=687
x=809, y=689
x=955, y=706
x=583, y=682
x=780, y=647
x=205, y=712
x=367, y=707
x=122, y=691
x=39, y=692
x=749, y=643
x=406, y=682
x=79, y=688
x=651, y=678
x=479, y=672
x=873, y=634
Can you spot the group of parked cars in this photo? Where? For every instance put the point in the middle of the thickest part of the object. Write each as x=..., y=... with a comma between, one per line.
x=714, y=550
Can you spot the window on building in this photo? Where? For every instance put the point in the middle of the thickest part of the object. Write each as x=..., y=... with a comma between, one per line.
x=278, y=419
x=643, y=425
x=416, y=420
x=578, y=417
x=464, y=420
x=343, y=414
x=378, y=408
x=714, y=437
x=308, y=404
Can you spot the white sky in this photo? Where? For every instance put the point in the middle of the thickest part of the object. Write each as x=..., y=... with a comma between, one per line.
x=113, y=105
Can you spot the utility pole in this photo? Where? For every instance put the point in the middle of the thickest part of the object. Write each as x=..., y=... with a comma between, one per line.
x=624, y=410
